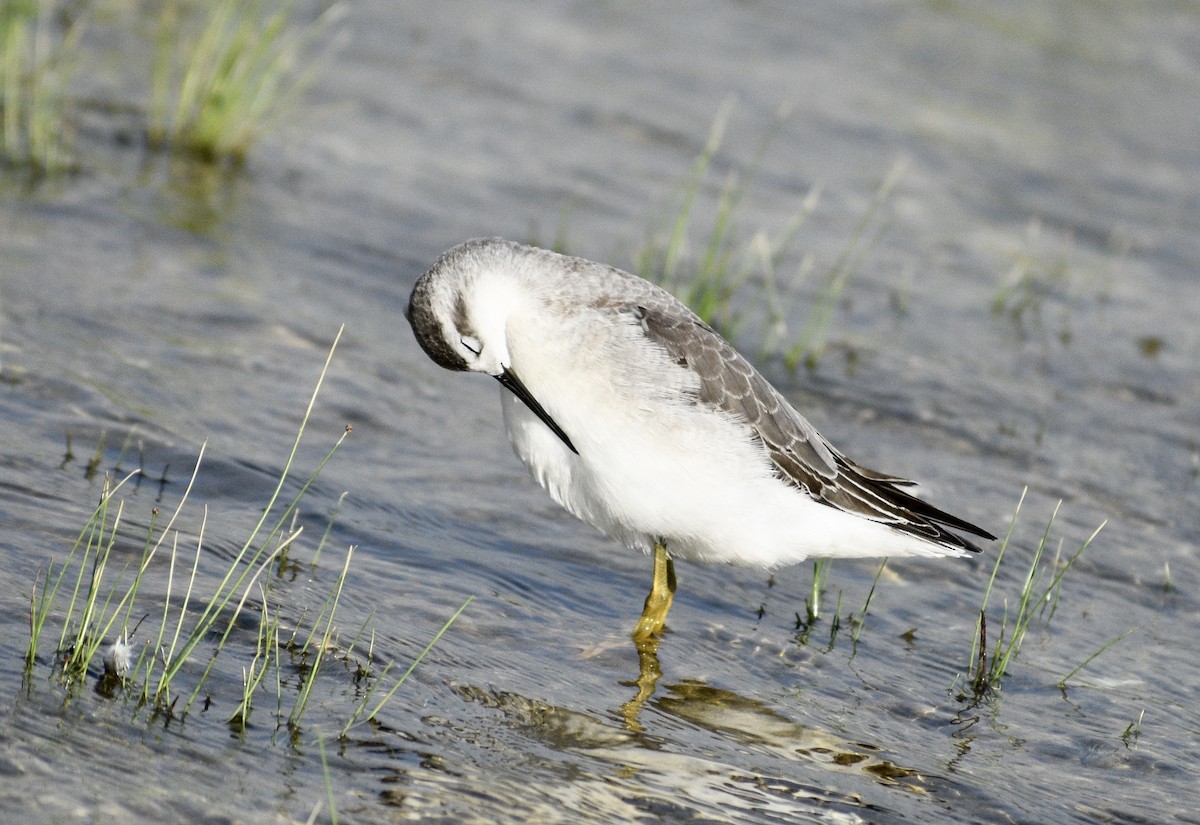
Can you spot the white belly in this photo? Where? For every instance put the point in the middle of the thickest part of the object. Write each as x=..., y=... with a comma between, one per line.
x=701, y=484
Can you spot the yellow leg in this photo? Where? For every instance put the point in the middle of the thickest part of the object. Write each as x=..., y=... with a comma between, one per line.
x=648, y=633
x=662, y=592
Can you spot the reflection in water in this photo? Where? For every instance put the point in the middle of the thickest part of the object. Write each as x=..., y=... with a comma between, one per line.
x=748, y=722
x=649, y=672
x=642, y=760
x=192, y=194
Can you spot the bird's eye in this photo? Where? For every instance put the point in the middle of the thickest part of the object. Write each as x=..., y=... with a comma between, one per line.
x=472, y=344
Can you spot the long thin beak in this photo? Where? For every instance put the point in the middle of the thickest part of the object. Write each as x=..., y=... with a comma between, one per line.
x=508, y=379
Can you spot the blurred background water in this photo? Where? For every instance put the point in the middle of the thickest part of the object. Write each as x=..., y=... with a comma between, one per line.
x=1025, y=317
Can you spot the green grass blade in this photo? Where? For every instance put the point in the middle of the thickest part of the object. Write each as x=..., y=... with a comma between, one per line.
x=354, y=721
x=311, y=677
x=862, y=617
x=1062, y=683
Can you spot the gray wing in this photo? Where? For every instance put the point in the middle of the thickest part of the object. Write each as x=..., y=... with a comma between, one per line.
x=800, y=454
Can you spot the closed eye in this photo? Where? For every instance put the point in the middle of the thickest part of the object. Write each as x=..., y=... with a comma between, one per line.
x=472, y=344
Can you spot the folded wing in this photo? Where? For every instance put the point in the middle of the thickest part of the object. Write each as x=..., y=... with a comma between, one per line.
x=800, y=454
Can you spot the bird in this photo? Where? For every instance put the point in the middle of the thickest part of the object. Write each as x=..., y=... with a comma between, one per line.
x=640, y=419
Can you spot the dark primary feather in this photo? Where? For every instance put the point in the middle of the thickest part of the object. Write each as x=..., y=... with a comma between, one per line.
x=800, y=454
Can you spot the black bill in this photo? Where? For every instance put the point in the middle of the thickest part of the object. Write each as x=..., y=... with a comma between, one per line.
x=510, y=382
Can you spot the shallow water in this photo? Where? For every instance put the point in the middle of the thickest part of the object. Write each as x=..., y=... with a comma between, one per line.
x=166, y=305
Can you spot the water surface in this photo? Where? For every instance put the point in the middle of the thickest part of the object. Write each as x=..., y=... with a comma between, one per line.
x=1024, y=319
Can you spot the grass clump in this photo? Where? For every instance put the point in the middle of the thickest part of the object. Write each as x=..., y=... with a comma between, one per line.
x=216, y=84
x=96, y=602
x=1035, y=278
x=38, y=47
x=810, y=342
x=1049, y=280
x=359, y=717
x=807, y=622
x=727, y=255
x=216, y=93
x=1134, y=730
x=1037, y=598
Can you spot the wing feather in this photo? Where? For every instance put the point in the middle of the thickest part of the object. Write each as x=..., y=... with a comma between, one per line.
x=801, y=456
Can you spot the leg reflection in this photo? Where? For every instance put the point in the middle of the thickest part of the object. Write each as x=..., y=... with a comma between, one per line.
x=649, y=672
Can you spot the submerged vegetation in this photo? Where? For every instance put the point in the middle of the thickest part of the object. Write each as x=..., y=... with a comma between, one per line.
x=142, y=651
x=217, y=84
